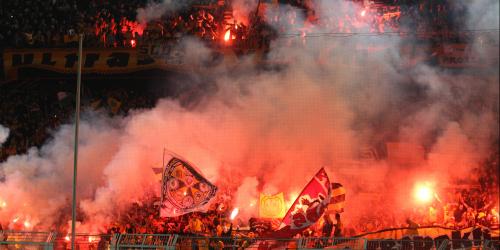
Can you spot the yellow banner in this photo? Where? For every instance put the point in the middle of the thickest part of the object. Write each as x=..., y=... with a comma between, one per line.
x=432, y=232
x=272, y=206
x=106, y=61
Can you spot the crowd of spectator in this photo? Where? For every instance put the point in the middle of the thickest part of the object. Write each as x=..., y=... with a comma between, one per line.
x=32, y=110
x=472, y=205
x=458, y=209
x=56, y=23
x=214, y=229
x=35, y=108
x=466, y=205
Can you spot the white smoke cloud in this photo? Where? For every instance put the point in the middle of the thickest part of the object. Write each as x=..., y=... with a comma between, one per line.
x=155, y=10
x=243, y=8
x=480, y=14
x=4, y=134
x=247, y=198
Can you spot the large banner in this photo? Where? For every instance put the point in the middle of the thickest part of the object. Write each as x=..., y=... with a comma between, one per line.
x=433, y=238
x=106, y=61
x=308, y=207
x=184, y=189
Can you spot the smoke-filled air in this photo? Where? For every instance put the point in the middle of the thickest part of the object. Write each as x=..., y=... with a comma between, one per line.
x=342, y=102
x=4, y=133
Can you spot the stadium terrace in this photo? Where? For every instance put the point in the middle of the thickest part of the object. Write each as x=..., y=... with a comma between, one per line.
x=249, y=124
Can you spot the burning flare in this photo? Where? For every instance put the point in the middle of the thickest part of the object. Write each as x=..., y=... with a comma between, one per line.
x=423, y=193
x=3, y=204
x=227, y=35
x=234, y=213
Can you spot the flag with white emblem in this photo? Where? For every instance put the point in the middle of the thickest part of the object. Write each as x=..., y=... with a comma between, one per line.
x=184, y=189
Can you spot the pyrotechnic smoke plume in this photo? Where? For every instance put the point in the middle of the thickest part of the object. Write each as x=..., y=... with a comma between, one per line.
x=4, y=134
x=155, y=10
x=243, y=8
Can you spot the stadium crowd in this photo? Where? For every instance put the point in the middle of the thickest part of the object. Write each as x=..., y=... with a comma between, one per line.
x=32, y=115
x=56, y=23
x=35, y=108
x=467, y=207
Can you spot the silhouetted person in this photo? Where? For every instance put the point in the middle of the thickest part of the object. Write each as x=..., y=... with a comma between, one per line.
x=412, y=227
x=338, y=226
x=327, y=226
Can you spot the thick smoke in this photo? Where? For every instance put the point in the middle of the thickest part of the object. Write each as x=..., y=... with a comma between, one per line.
x=270, y=131
x=155, y=10
x=243, y=8
x=4, y=134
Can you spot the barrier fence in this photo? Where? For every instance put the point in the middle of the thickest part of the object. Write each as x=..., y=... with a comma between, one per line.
x=84, y=241
x=27, y=240
x=144, y=241
x=52, y=241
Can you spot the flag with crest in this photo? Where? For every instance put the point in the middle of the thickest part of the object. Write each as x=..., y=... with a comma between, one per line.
x=184, y=189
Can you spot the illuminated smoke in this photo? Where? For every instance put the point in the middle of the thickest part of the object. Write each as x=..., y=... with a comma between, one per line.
x=243, y=8
x=4, y=134
x=247, y=197
x=270, y=131
x=156, y=10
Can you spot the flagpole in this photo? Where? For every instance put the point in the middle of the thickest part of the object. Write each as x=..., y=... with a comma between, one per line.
x=77, y=122
x=162, y=180
x=163, y=161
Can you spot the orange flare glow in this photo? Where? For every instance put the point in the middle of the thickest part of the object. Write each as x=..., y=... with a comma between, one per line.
x=234, y=213
x=227, y=35
x=423, y=193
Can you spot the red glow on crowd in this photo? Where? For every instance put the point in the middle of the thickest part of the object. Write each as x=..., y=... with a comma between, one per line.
x=219, y=30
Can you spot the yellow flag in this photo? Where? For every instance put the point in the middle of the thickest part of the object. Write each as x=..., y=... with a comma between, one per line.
x=272, y=206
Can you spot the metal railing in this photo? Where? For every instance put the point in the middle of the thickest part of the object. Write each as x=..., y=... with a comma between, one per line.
x=27, y=240
x=144, y=241
x=84, y=242
x=431, y=244
x=235, y=243
x=49, y=241
x=332, y=243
